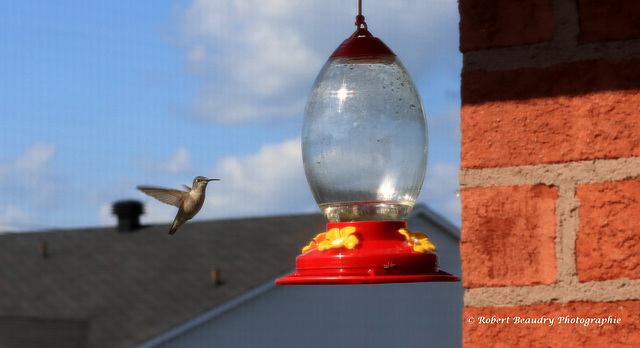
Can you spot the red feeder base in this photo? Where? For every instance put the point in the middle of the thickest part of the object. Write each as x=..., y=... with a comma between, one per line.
x=382, y=255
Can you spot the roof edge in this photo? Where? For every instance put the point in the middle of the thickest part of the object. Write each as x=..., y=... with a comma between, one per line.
x=210, y=314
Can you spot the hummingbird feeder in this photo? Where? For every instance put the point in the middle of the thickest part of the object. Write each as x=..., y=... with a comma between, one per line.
x=364, y=148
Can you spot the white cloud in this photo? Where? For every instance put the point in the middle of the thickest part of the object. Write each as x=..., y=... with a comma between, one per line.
x=251, y=55
x=271, y=181
x=440, y=188
x=35, y=159
x=157, y=212
x=105, y=217
x=28, y=181
x=29, y=176
x=14, y=218
x=178, y=162
x=452, y=210
x=257, y=59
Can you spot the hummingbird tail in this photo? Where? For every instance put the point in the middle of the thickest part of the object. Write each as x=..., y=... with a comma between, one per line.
x=174, y=227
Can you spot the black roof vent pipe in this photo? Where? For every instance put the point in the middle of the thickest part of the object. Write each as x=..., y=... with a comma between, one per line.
x=128, y=213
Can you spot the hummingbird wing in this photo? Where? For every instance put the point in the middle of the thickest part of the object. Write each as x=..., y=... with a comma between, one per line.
x=168, y=196
x=186, y=187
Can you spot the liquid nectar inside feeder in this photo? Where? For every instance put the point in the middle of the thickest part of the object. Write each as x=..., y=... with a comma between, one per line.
x=364, y=147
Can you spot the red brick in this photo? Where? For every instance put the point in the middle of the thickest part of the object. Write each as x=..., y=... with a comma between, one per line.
x=508, y=236
x=608, y=20
x=551, y=130
x=626, y=333
x=608, y=243
x=499, y=23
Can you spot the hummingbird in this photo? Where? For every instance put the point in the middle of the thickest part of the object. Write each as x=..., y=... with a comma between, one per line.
x=188, y=202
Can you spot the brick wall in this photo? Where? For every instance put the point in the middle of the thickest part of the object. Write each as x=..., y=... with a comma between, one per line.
x=550, y=172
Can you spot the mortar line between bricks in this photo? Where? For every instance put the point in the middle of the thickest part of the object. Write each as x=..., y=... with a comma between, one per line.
x=622, y=289
x=567, y=225
x=572, y=173
x=566, y=26
x=543, y=55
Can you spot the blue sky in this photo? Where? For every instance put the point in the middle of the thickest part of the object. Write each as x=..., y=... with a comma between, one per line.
x=97, y=97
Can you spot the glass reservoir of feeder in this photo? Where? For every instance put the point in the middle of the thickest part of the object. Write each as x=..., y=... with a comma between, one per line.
x=364, y=139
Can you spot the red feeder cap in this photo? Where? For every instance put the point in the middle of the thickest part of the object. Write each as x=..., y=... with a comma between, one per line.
x=362, y=44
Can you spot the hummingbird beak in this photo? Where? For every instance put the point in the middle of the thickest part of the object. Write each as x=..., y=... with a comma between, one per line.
x=213, y=180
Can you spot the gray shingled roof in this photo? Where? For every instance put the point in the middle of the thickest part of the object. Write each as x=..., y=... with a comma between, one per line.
x=101, y=288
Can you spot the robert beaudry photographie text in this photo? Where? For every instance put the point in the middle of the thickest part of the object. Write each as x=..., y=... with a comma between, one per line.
x=544, y=320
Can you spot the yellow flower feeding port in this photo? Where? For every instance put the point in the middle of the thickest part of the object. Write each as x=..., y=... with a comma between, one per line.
x=334, y=238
